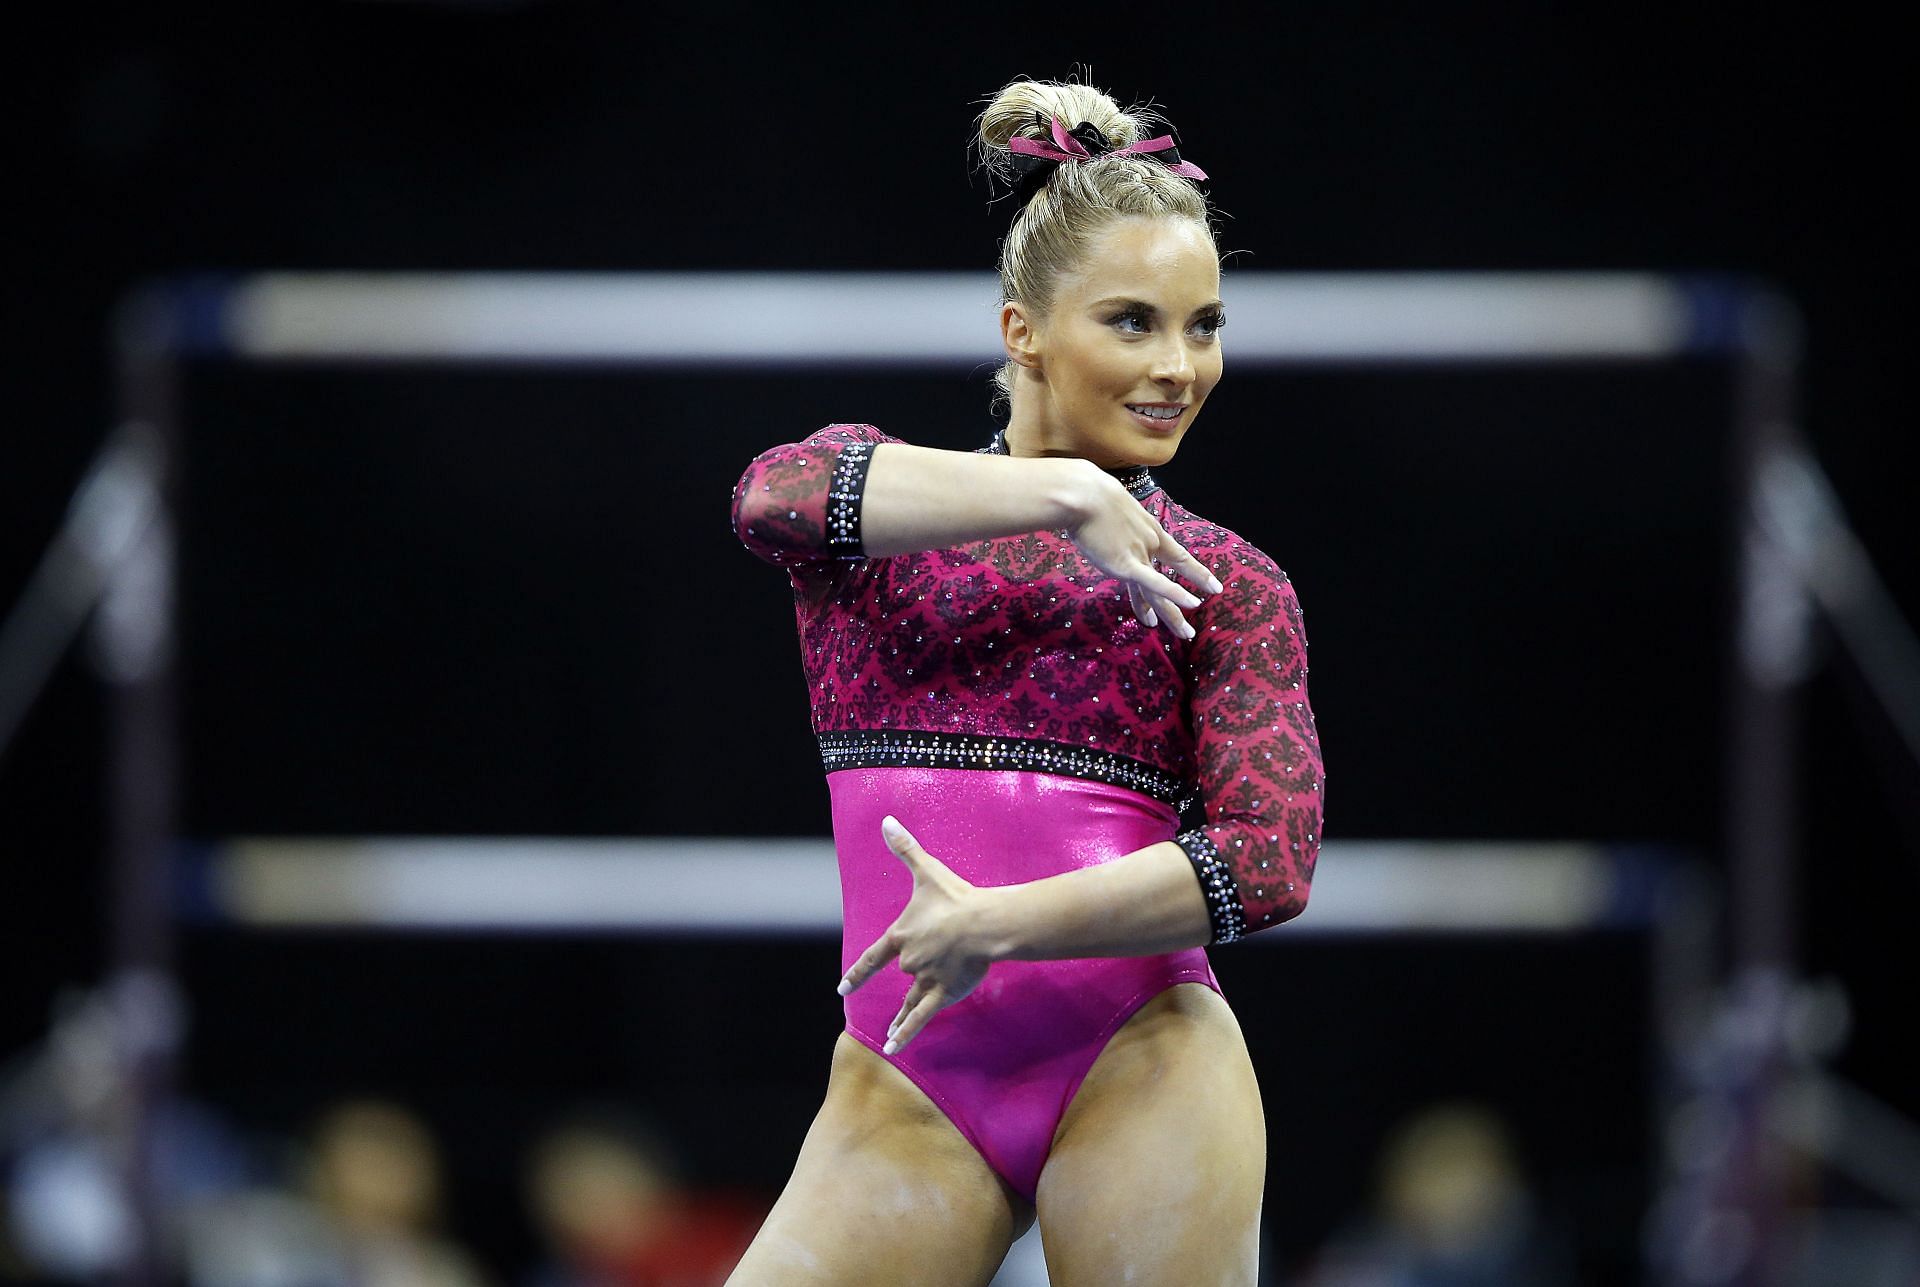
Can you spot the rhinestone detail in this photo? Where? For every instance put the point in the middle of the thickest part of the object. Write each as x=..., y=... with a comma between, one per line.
x=1216, y=882
x=844, y=491
x=864, y=748
x=1135, y=478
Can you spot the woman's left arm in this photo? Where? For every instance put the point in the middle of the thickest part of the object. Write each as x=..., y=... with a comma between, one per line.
x=1256, y=747
x=1257, y=758
x=1248, y=867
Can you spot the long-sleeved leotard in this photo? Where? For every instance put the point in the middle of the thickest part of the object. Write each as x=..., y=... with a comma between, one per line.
x=1017, y=653
x=1001, y=699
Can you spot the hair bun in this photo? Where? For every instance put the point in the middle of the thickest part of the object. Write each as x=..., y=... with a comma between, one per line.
x=1027, y=108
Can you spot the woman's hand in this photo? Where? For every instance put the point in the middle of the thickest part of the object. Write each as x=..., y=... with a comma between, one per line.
x=934, y=939
x=1123, y=540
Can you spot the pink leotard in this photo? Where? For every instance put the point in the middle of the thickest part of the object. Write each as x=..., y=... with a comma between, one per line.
x=1002, y=701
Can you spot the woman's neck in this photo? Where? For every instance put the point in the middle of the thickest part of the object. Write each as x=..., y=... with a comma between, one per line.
x=1137, y=479
x=1027, y=440
x=1024, y=437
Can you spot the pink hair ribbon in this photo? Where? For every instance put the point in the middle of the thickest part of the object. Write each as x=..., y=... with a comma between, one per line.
x=1037, y=159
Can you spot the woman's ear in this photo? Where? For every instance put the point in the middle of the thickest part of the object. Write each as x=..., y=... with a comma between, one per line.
x=1021, y=338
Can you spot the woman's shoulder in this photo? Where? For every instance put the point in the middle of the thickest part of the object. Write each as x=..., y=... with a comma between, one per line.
x=849, y=432
x=1218, y=545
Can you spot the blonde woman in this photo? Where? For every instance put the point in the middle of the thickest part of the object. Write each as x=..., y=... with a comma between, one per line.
x=1024, y=662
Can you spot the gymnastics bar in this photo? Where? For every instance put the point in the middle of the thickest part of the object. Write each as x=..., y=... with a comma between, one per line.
x=792, y=886
x=930, y=319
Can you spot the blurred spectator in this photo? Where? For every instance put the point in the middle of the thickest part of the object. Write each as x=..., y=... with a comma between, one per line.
x=366, y=1214
x=606, y=1194
x=375, y=1176
x=63, y=1127
x=1451, y=1209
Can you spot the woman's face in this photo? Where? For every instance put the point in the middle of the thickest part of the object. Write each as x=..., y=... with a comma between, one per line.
x=1135, y=329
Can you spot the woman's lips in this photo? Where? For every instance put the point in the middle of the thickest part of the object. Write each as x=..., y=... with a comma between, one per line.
x=1161, y=425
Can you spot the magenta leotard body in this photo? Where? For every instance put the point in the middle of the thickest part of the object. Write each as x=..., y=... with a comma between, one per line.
x=1002, y=701
x=1004, y=1061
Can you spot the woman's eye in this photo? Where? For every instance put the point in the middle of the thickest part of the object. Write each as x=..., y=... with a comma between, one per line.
x=1210, y=325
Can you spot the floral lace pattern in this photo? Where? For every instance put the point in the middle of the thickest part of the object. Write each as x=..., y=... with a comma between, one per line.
x=1020, y=638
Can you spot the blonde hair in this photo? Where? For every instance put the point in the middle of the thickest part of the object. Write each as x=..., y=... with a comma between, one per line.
x=1053, y=232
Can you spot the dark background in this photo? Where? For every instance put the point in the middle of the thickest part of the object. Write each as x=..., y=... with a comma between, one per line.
x=486, y=602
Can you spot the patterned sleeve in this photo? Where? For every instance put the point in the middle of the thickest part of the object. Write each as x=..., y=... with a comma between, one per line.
x=800, y=502
x=1256, y=749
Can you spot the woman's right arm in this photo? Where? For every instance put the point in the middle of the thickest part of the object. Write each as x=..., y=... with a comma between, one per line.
x=853, y=492
x=922, y=498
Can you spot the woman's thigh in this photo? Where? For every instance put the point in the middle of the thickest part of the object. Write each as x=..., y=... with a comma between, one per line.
x=885, y=1191
x=1158, y=1167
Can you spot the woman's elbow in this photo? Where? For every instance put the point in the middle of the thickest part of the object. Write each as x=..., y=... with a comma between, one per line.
x=760, y=523
x=1279, y=876
x=749, y=504
x=1274, y=909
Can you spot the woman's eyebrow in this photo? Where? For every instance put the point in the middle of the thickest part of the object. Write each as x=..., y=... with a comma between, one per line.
x=1145, y=307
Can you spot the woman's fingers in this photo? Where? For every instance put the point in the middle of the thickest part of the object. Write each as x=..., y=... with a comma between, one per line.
x=923, y=1010
x=1177, y=558
x=1147, y=590
x=920, y=987
x=884, y=949
x=1152, y=608
x=1195, y=571
x=1156, y=582
x=1174, y=557
x=1176, y=620
x=903, y=843
x=1142, y=607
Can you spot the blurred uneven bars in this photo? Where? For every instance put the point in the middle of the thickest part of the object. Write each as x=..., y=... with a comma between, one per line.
x=792, y=886
x=918, y=319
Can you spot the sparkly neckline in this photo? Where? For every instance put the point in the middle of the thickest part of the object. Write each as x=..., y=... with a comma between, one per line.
x=1134, y=478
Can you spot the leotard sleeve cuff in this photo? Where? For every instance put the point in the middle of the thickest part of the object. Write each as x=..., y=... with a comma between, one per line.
x=1216, y=883
x=846, y=492
x=798, y=505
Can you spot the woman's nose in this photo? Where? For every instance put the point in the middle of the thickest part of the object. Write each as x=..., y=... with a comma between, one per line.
x=1175, y=365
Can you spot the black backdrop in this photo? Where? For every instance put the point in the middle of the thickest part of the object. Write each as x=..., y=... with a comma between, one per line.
x=518, y=587
x=483, y=603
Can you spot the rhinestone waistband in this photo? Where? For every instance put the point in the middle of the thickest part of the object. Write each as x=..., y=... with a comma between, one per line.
x=863, y=748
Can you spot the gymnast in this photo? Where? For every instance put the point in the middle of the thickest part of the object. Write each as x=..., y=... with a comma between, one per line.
x=1028, y=666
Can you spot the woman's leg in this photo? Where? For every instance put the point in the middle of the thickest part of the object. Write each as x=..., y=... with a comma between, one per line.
x=1158, y=1167
x=886, y=1191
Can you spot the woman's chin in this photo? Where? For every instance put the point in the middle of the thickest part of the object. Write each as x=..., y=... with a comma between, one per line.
x=1159, y=449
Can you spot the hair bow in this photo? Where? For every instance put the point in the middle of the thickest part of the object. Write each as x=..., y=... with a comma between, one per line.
x=1034, y=160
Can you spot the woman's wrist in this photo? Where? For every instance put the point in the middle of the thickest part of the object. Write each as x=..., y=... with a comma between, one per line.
x=1071, y=489
x=1138, y=904
x=996, y=927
